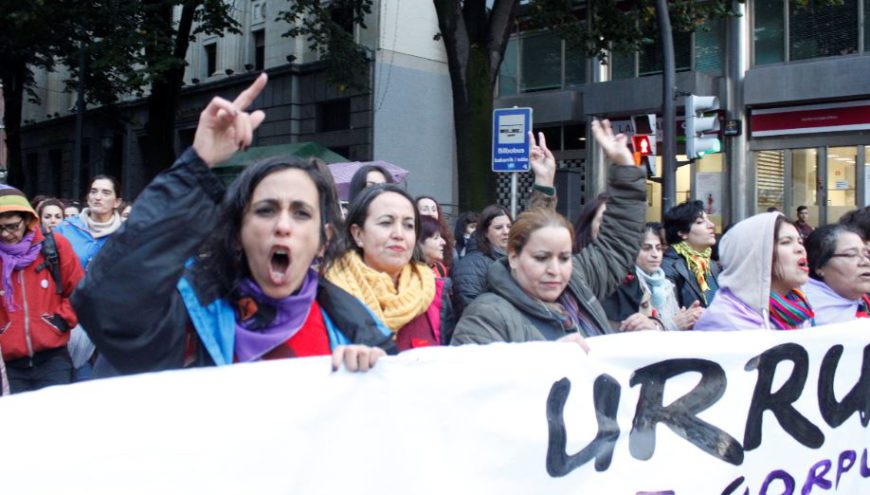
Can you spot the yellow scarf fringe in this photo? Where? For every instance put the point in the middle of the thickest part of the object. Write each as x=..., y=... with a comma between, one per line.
x=394, y=305
x=699, y=264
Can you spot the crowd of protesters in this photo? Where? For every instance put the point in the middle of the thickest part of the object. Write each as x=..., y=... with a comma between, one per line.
x=276, y=266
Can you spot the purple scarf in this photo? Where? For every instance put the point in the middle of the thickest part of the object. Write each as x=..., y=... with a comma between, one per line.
x=270, y=322
x=16, y=257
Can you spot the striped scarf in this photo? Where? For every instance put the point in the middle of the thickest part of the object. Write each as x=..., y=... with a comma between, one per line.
x=699, y=264
x=791, y=311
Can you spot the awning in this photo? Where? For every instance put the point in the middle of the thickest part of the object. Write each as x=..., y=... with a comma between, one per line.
x=230, y=169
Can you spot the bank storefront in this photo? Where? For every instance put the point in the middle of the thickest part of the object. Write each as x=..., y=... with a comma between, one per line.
x=813, y=155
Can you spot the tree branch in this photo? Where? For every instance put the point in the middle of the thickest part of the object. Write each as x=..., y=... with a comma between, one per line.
x=501, y=21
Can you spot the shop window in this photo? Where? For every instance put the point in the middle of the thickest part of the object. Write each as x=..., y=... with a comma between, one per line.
x=575, y=137
x=769, y=180
x=709, y=180
x=541, y=62
x=553, y=135
x=820, y=29
x=841, y=181
x=507, y=73
x=710, y=47
x=866, y=176
x=769, y=32
x=804, y=183
x=333, y=115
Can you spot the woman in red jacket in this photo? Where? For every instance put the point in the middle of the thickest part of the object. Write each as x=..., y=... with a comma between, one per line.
x=35, y=315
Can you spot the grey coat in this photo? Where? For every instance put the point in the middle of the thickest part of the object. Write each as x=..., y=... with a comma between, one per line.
x=507, y=314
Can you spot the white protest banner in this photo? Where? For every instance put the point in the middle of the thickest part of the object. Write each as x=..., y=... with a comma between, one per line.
x=682, y=413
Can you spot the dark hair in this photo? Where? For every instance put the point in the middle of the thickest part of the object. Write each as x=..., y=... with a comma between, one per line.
x=115, y=184
x=358, y=181
x=801, y=208
x=860, y=219
x=488, y=214
x=680, y=218
x=36, y=200
x=358, y=212
x=465, y=218
x=72, y=203
x=49, y=202
x=822, y=244
x=583, y=223
x=656, y=229
x=222, y=263
x=446, y=234
x=429, y=226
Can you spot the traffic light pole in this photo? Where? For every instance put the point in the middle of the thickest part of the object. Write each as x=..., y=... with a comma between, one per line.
x=669, y=113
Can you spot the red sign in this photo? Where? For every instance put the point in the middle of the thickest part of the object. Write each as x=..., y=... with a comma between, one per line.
x=831, y=117
x=641, y=144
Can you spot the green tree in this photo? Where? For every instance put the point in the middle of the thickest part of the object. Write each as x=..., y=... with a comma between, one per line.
x=475, y=35
x=32, y=34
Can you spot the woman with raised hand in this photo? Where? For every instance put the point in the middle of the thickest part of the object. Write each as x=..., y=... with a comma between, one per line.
x=839, y=285
x=377, y=267
x=764, y=266
x=217, y=282
x=542, y=291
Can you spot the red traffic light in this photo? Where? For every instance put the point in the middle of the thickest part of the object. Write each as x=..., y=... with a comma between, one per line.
x=641, y=144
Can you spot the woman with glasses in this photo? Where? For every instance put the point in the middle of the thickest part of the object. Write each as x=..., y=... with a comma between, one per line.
x=839, y=274
x=35, y=313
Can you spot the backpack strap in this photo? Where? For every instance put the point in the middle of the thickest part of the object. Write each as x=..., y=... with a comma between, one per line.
x=51, y=259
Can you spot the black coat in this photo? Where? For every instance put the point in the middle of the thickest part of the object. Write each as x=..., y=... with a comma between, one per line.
x=129, y=303
x=676, y=268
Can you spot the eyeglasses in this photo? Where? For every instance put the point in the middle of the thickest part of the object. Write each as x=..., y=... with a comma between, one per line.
x=11, y=227
x=853, y=256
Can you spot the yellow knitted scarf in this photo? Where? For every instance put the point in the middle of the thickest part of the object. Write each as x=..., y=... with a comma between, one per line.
x=699, y=264
x=394, y=305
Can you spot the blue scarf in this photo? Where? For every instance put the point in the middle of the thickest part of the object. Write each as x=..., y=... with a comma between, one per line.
x=657, y=285
x=263, y=323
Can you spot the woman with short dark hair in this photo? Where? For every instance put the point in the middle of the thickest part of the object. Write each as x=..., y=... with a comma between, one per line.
x=487, y=244
x=463, y=231
x=227, y=278
x=688, y=263
x=367, y=176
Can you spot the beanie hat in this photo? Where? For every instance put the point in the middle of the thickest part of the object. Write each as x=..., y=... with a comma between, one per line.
x=13, y=200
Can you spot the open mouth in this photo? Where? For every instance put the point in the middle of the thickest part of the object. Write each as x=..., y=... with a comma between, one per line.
x=279, y=263
x=803, y=265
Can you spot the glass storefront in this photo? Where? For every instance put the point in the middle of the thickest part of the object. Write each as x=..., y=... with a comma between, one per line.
x=708, y=177
x=824, y=179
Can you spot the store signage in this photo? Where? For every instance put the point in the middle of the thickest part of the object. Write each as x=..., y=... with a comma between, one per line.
x=807, y=119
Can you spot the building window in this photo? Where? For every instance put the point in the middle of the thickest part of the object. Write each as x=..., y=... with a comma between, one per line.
x=541, y=62
x=815, y=29
x=258, y=39
x=710, y=47
x=210, y=59
x=651, y=55
x=333, y=115
x=818, y=29
x=507, y=73
x=575, y=66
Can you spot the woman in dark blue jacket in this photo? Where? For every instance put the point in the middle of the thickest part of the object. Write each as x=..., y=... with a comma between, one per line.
x=250, y=291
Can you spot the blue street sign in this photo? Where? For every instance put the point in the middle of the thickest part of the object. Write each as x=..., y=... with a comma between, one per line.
x=510, y=139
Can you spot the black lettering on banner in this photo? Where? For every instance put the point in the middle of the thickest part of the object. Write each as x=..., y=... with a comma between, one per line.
x=680, y=415
x=606, y=392
x=858, y=399
x=780, y=402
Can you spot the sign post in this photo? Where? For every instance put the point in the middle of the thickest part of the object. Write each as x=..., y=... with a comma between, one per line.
x=510, y=145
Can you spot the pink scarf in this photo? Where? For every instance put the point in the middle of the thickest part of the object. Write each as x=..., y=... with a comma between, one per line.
x=16, y=257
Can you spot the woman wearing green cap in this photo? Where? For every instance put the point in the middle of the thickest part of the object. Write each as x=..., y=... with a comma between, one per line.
x=35, y=314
